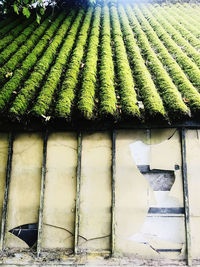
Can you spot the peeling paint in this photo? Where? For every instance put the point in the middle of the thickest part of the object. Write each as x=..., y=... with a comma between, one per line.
x=156, y=229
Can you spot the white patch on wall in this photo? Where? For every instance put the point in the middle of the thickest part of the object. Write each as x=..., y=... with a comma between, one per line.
x=163, y=228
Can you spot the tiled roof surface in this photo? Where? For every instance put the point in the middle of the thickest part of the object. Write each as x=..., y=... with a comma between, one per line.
x=120, y=61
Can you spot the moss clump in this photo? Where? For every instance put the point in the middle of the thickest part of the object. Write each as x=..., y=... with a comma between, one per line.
x=107, y=95
x=29, y=89
x=126, y=83
x=19, y=75
x=46, y=95
x=168, y=91
x=186, y=88
x=151, y=99
x=189, y=67
x=87, y=94
x=67, y=93
x=21, y=53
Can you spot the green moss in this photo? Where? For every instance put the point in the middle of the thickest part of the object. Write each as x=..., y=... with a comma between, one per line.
x=19, y=74
x=168, y=91
x=186, y=63
x=186, y=88
x=46, y=95
x=151, y=99
x=107, y=95
x=21, y=53
x=67, y=92
x=31, y=85
x=10, y=26
x=128, y=98
x=86, y=101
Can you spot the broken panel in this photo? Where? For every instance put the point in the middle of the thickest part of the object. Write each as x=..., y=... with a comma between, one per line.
x=95, y=192
x=193, y=170
x=149, y=197
x=3, y=166
x=24, y=193
x=60, y=191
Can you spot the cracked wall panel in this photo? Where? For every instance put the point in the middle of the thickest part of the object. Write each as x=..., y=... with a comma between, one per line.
x=24, y=194
x=132, y=200
x=165, y=156
x=151, y=237
x=95, y=197
x=193, y=168
x=60, y=191
x=3, y=165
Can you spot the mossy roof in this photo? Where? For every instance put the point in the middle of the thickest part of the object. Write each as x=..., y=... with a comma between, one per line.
x=132, y=62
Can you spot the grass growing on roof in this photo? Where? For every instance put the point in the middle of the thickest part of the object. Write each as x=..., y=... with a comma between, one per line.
x=67, y=92
x=151, y=99
x=29, y=89
x=87, y=93
x=19, y=74
x=46, y=95
x=126, y=83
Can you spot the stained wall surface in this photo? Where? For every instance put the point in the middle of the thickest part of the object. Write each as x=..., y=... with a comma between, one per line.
x=95, y=197
x=149, y=203
x=193, y=167
x=60, y=191
x=149, y=215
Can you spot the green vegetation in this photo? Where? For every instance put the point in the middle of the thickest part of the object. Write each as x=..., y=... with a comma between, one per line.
x=14, y=33
x=86, y=101
x=112, y=61
x=189, y=67
x=10, y=26
x=188, y=91
x=19, y=55
x=188, y=49
x=29, y=89
x=128, y=95
x=67, y=92
x=19, y=75
x=46, y=95
x=10, y=49
x=107, y=94
x=151, y=99
x=170, y=95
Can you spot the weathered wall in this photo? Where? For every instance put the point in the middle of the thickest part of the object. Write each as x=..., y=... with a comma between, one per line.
x=3, y=164
x=60, y=191
x=193, y=167
x=95, y=197
x=24, y=193
x=138, y=231
x=149, y=206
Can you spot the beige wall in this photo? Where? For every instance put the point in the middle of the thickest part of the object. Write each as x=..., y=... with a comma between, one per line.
x=193, y=167
x=138, y=232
